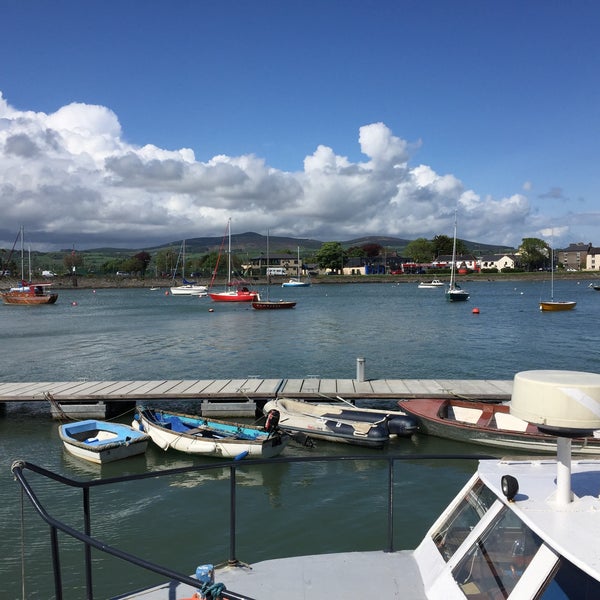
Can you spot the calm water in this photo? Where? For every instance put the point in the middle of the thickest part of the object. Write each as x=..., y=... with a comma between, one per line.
x=401, y=331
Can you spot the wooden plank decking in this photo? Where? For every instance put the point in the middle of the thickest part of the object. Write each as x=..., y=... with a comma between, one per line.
x=252, y=389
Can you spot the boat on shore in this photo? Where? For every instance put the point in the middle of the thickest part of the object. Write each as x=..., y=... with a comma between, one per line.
x=102, y=442
x=487, y=424
x=209, y=437
x=340, y=422
x=517, y=529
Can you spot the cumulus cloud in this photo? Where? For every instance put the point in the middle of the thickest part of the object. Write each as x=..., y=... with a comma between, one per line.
x=69, y=177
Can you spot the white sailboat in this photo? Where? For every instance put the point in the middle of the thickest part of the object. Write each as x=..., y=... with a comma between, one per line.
x=297, y=281
x=187, y=288
x=454, y=293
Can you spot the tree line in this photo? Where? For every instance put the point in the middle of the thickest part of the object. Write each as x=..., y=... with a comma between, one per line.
x=332, y=256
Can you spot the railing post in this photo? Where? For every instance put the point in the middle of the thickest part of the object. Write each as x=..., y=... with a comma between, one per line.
x=232, y=517
x=88, y=551
x=56, y=563
x=390, y=546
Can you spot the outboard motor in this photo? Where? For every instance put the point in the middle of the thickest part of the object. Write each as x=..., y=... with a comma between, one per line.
x=272, y=420
x=403, y=426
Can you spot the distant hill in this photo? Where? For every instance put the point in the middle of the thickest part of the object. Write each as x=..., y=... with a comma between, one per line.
x=254, y=243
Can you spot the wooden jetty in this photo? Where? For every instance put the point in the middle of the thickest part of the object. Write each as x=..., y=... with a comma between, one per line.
x=238, y=397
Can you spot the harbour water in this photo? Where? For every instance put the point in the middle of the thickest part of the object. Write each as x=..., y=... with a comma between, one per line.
x=400, y=331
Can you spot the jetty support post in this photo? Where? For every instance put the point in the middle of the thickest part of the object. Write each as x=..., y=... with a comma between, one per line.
x=360, y=369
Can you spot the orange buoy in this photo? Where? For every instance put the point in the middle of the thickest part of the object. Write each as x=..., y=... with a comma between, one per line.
x=475, y=311
x=166, y=293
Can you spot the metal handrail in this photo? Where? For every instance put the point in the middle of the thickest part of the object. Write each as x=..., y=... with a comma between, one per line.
x=19, y=467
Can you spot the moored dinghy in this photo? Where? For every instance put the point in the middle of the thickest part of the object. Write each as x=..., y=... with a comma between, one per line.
x=101, y=442
x=210, y=437
x=487, y=424
x=341, y=423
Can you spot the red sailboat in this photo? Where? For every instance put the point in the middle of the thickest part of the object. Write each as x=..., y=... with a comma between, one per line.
x=241, y=293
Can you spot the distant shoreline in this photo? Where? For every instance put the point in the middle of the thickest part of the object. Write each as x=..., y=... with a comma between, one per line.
x=148, y=282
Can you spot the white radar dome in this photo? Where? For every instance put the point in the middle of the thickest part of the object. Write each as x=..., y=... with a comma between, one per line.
x=562, y=402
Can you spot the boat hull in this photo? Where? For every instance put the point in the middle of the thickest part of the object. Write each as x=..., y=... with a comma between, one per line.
x=237, y=296
x=31, y=295
x=208, y=437
x=478, y=423
x=295, y=283
x=457, y=296
x=555, y=306
x=101, y=442
x=270, y=305
x=436, y=283
x=189, y=290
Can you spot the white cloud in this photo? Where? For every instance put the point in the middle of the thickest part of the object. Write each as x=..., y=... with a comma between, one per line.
x=69, y=177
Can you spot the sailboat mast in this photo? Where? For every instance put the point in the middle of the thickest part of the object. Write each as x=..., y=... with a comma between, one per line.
x=453, y=255
x=552, y=273
x=22, y=254
x=268, y=271
x=229, y=253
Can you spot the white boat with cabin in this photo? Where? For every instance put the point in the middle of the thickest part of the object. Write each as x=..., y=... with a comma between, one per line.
x=433, y=284
x=520, y=528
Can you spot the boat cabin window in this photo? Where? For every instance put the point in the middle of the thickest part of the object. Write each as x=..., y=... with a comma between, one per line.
x=570, y=583
x=493, y=565
x=454, y=530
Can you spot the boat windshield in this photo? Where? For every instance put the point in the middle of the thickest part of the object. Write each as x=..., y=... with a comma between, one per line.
x=498, y=558
x=454, y=530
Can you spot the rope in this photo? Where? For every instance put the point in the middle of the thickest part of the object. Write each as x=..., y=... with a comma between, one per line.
x=57, y=407
x=63, y=416
x=210, y=591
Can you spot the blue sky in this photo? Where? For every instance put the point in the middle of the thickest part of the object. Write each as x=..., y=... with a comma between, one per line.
x=130, y=123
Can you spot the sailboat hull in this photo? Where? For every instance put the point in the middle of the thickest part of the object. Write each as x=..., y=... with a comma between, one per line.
x=234, y=296
x=555, y=306
x=29, y=296
x=272, y=305
x=457, y=295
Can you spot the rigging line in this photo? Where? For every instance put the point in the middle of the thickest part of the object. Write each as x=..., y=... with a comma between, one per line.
x=219, y=256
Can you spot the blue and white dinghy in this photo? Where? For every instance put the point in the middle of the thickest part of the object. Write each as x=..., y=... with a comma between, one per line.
x=102, y=442
x=198, y=435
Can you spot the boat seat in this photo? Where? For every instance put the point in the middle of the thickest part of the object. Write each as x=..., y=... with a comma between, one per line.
x=486, y=417
x=178, y=425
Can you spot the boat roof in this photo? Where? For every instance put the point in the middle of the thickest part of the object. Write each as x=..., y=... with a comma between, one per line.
x=573, y=529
